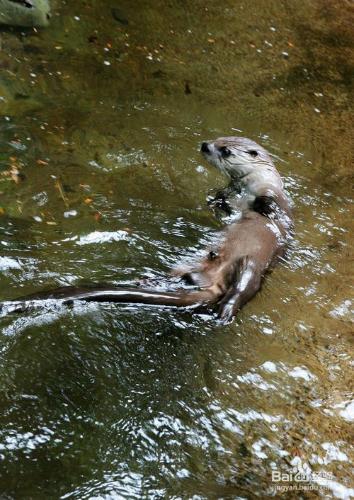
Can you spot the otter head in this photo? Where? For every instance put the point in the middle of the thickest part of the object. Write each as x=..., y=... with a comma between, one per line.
x=237, y=157
x=246, y=162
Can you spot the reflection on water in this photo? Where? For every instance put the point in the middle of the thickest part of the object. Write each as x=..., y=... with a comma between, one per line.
x=101, y=180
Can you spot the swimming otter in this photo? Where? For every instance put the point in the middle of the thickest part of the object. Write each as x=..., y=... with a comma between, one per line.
x=230, y=275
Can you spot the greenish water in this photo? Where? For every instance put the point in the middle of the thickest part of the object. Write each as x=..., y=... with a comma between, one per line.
x=101, y=180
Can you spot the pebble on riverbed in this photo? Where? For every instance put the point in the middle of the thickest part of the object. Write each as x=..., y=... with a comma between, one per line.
x=118, y=15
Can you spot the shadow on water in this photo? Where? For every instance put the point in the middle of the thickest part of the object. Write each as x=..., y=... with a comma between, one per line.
x=101, y=116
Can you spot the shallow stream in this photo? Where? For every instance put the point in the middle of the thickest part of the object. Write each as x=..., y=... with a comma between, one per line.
x=101, y=179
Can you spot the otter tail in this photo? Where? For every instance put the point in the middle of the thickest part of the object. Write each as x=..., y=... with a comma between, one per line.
x=244, y=282
x=122, y=295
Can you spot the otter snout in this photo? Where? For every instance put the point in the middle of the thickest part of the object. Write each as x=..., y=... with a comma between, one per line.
x=208, y=148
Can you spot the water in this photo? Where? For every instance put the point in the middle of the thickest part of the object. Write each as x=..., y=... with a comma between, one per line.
x=101, y=180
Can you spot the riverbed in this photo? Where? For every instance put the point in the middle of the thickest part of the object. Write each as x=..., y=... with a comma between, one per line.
x=101, y=180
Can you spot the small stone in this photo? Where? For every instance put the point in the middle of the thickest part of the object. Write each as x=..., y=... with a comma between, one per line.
x=118, y=15
x=70, y=213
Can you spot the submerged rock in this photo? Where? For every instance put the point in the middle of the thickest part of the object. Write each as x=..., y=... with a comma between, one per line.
x=26, y=13
x=119, y=16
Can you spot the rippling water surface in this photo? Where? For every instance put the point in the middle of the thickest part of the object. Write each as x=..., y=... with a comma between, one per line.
x=101, y=180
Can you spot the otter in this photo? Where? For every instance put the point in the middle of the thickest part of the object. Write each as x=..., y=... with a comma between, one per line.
x=230, y=275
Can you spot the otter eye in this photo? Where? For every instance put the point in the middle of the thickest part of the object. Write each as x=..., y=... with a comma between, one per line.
x=253, y=153
x=225, y=152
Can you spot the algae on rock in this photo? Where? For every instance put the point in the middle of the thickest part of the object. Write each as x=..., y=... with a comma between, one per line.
x=26, y=13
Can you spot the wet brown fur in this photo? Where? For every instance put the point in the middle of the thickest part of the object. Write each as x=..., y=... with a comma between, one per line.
x=227, y=277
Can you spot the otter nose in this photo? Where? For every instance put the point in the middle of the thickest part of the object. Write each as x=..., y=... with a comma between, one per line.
x=205, y=147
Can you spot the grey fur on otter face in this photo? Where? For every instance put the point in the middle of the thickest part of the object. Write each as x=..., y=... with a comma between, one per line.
x=245, y=161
